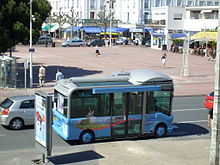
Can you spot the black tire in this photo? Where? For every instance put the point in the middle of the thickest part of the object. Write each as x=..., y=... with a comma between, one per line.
x=16, y=124
x=86, y=137
x=67, y=45
x=160, y=130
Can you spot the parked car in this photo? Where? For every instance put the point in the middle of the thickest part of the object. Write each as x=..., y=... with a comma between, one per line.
x=73, y=42
x=17, y=111
x=121, y=41
x=208, y=102
x=97, y=42
x=45, y=39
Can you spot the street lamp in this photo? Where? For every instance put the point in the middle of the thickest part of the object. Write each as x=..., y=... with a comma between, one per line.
x=111, y=3
x=30, y=50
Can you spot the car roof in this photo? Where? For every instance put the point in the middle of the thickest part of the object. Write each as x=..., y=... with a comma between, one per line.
x=22, y=97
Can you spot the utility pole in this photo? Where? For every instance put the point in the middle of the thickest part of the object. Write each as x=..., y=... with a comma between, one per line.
x=30, y=50
x=185, y=66
x=214, y=149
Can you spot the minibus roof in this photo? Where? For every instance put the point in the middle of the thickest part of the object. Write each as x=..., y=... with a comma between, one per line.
x=133, y=77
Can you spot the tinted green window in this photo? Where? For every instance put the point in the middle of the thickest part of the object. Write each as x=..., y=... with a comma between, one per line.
x=85, y=104
x=159, y=101
x=135, y=103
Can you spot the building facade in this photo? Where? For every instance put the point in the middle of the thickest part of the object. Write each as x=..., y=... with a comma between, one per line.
x=159, y=20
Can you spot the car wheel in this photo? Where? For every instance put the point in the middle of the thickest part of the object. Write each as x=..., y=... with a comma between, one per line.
x=67, y=45
x=86, y=137
x=80, y=45
x=16, y=124
x=160, y=130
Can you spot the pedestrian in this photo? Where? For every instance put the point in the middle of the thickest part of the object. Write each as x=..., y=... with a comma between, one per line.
x=97, y=52
x=163, y=59
x=210, y=118
x=59, y=75
x=41, y=75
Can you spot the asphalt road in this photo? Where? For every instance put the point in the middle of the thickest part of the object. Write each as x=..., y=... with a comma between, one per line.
x=190, y=118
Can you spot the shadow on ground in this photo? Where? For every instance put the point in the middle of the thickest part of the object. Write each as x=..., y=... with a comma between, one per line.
x=51, y=73
x=186, y=129
x=75, y=157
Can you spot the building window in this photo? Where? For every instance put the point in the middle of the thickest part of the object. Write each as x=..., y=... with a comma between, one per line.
x=146, y=4
x=216, y=3
x=92, y=4
x=190, y=3
x=169, y=3
x=201, y=3
x=77, y=5
x=92, y=15
x=209, y=3
x=102, y=4
x=158, y=2
x=177, y=17
x=195, y=15
x=179, y=2
x=128, y=19
x=72, y=3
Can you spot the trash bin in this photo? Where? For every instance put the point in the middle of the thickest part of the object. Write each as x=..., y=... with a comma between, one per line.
x=53, y=44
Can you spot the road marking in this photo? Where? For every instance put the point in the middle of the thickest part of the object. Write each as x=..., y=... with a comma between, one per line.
x=195, y=109
x=2, y=135
x=195, y=121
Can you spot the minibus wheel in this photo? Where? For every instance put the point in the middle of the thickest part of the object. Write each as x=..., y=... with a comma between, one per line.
x=160, y=130
x=86, y=137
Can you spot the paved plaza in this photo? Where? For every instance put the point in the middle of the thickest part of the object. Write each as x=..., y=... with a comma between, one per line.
x=81, y=61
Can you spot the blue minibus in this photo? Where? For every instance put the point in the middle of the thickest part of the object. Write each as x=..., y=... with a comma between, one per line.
x=124, y=104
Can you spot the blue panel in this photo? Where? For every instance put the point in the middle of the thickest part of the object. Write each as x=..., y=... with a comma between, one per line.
x=149, y=30
x=69, y=29
x=113, y=29
x=178, y=35
x=92, y=29
x=127, y=89
x=122, y=30
x=158, y=34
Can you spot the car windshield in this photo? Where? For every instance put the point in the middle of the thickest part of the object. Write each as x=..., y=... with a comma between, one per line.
x=6, y=103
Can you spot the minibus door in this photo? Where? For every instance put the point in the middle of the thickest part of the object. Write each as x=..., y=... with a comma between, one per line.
x=126, y=114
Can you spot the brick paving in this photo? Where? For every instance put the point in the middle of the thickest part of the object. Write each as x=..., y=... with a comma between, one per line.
x=81, y=61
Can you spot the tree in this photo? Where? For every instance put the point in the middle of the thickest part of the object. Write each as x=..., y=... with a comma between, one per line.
x=15, y=21
x=60, y=18
x=72, y=19
x=105, y=17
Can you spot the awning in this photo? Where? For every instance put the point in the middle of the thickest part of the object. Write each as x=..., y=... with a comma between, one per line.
x=149, y=30
x=205, y=36
x=158, y=34
x=69, y=29
x=92, y=29
x=121, y=30
x=113, y=29
x=127, y=89
x=178, y=35
x=47, y=27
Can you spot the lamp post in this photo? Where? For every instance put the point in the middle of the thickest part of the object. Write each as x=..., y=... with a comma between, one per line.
x=111, y=3
x=30, y=50
x=214, y=149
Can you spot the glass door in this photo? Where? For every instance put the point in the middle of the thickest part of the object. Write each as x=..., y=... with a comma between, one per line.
x=119, y=116
x=127, y=114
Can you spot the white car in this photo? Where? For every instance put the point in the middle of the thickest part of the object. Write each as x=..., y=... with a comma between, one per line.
x=17, y=111
x=73, y=42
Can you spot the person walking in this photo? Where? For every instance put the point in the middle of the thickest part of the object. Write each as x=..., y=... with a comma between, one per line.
x=163, y=59
x=59, y=75
x=97, y=52
x=41, y=75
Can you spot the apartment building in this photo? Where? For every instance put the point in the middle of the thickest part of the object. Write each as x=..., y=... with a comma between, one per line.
x=161, y=19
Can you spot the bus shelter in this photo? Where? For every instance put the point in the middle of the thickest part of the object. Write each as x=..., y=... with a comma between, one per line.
x=7, y=72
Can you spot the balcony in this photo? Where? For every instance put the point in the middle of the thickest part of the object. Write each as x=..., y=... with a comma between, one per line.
x=160, y=23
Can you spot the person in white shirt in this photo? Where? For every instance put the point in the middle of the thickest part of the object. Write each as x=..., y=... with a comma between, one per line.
x=41, y=75
x=59, y=75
